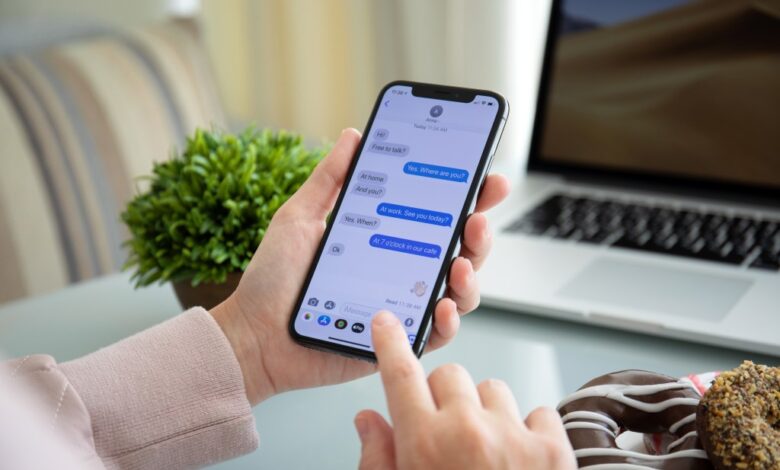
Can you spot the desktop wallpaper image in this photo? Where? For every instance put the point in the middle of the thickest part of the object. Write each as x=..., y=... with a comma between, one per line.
x=669, y=87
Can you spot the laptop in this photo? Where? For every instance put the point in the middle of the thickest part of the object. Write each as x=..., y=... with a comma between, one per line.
x=651, y=200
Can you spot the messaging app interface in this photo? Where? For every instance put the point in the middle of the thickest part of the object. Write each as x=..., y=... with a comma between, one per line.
x=391, y=233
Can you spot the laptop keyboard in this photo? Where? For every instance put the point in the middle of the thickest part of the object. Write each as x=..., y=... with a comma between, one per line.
x=687, y=232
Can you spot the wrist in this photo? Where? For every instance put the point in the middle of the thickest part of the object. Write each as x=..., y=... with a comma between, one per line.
x=247, y=349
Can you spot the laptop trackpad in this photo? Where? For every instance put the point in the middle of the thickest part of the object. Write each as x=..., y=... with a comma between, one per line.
x=643, y=286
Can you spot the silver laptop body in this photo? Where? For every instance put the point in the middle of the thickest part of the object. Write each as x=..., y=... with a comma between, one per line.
x=651, y=200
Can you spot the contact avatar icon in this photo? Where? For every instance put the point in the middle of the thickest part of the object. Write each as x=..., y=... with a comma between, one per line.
x=419, y=289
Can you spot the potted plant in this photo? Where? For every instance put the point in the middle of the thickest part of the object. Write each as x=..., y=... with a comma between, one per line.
x=206, y=210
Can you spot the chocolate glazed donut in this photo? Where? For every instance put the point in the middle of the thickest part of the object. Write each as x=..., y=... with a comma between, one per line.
x=639, y=401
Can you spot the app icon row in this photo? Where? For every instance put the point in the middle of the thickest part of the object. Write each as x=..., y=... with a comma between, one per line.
x=339, y=323
x=314, y=301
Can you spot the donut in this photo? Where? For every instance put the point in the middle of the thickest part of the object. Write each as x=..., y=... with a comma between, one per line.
x=639, y=401
x=738, y=418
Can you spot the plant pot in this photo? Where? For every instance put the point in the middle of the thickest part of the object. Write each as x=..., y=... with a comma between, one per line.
x=207, y=294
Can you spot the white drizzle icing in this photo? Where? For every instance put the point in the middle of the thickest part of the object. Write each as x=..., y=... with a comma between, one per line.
x=593, y=416
x=688, y=419
x=681, y=440
x=612, y=452
x=619, y=392
x=586, y=425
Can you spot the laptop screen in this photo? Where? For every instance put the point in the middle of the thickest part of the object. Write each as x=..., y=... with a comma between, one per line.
x=682, y=88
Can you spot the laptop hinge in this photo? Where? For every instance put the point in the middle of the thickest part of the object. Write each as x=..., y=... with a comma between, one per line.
x=633, y=184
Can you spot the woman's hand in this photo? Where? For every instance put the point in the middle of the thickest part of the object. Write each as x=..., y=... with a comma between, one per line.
x=448, y=422
x=256, y=315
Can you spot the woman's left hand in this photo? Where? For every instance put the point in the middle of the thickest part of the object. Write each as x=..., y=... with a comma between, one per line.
x=255, y=317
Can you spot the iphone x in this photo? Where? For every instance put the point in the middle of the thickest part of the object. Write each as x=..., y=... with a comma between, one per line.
x=398, y=220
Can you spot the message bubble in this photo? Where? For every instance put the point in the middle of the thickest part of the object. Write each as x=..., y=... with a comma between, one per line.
x=381, y=134
x=336, y=249
x=435, y=171
x=373, y=177
x=415, y=214
x=369, y=190
x=396, y=150
x=403, y=245
x=357, y=220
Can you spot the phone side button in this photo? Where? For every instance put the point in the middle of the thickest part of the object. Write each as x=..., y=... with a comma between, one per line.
x=489, y=166
x=482, y=183
x=497, y=138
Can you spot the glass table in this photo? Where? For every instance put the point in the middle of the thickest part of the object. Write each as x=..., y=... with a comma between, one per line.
x=541, y=359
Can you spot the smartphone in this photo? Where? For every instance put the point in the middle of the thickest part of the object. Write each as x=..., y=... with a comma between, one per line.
x=398, y=220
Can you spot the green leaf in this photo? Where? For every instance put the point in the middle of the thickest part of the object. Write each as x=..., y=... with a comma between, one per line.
x=208, y=206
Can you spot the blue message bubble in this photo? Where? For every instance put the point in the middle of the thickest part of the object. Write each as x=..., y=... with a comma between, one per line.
x=403, y=245
x=435, y=171
x=415, y=214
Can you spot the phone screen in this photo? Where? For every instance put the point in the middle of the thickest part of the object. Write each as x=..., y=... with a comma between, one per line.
x=390, y=236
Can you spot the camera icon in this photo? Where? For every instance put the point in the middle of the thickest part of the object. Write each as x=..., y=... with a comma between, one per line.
x=313, y=301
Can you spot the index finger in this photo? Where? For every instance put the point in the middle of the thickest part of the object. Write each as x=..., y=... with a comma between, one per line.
x=403, y=377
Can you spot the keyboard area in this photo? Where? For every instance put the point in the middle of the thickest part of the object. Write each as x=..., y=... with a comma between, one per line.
x=739, y=240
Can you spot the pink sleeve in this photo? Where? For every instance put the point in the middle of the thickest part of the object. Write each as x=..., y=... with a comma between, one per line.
x=43, y=422
x=169, y=397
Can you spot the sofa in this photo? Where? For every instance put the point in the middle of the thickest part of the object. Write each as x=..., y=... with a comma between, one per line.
x=83, y=117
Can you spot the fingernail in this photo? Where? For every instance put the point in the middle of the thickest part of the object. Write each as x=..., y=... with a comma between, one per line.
x=361, y=424
x=384, y=318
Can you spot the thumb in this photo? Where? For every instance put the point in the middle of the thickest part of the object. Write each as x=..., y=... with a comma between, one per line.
x=376, y=438
x=317, y=196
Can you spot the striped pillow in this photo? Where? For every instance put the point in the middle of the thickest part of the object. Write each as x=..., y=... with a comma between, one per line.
x=79, y=122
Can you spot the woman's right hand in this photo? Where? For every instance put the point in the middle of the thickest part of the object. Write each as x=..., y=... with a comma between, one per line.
x=448, y=422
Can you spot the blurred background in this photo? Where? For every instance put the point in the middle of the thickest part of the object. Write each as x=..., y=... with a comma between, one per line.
x=95, y=91
x=317, y=66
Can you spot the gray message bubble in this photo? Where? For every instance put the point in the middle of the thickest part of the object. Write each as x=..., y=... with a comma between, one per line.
x=336, y=249
x=374, y=177
x=357, y=220
x=381, y=134
x=396, y=150
x=368, y=190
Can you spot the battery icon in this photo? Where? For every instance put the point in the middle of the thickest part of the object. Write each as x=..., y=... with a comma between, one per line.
x=490, y=103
